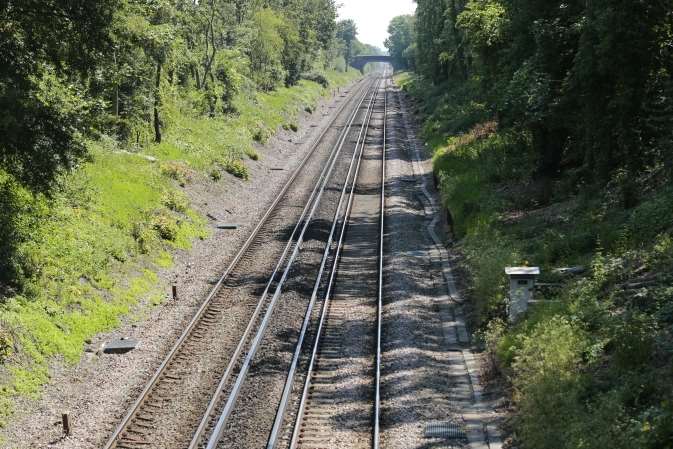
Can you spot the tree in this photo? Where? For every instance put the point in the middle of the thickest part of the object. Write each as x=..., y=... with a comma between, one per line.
x=347, y=32
x=588, y=82
x=430, y=35
x=49, y=53
x=72, y=67
x=266, y=50
x=618, y=70
x=401, y=30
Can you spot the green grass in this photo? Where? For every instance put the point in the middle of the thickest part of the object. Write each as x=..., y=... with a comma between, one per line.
x=592, y=366
x=89, y=255
x=403, y=79
x=202, y=143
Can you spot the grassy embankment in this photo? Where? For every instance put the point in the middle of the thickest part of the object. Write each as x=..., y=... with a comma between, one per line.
x=87, y=256
x=592, y=366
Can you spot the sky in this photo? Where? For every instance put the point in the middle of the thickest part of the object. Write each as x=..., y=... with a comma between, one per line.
x=373, y=17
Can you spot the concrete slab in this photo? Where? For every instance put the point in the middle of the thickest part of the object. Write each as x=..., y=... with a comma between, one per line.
x=121, y=346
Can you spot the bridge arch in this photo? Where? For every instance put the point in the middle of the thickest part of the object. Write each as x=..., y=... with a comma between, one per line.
x=359, y=62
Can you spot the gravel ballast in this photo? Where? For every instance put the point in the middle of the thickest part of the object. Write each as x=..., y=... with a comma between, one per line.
x=430, y=372
x=252, y=418
x=98, y=390
x=415, y=387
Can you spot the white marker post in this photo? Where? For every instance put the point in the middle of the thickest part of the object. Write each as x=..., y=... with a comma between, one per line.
x=521, y=284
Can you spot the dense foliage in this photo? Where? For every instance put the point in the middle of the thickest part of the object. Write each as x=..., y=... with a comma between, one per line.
x=77, y=70
x=552, y=124
x=73, y=68
x=400, y=43
x=49, y=54
x=589, y=81
x=112, y=114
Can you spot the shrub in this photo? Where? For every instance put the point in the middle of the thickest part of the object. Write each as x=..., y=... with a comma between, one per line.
x=6, y=343
x=291, y=127
x=252, y=154
x=488, y=252
x=178, y=171
x=175, y=201
x=469, y=165
x=144, y=236
x=261, y=134
x=237, y=168
x=317, y=78
x=15, y=228
x=228, y=68
x=652, y=216
x=491, y=338
x=215, y=174
x=451, y=109
x=548, y=381
x=166, y=226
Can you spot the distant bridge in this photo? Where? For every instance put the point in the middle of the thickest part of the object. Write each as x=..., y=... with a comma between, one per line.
x=359, y=62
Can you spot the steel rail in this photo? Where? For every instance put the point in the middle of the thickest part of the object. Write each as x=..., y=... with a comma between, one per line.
x=379, y=318
x=216, y=436
x=323, y=314
x=113, y=440
x=287, y=390
x=313, y=201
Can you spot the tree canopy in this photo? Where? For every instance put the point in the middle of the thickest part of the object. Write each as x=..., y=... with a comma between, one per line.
x=589, y=81
x=74, y=69
x=400, y=43
x=50, y=52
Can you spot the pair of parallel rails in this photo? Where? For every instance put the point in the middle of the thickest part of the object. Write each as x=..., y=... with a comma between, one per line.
x=130, y=433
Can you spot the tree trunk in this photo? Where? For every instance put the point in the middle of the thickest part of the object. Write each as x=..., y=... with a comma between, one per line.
x=549, y=145
x=116, y=102
x=196, y=75
x=157, y=103
x=116, y=99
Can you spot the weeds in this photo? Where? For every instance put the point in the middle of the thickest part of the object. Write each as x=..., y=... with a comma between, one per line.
x=177, y=171
x=237, y=168
x=262, y=134
x=252, y=154
x=176, y=201
x=215, y=174
x=82, y=259
x=144, y=236
x=6, y=342
x=165, y=226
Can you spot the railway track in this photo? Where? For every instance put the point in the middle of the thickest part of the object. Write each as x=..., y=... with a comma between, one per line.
x=226, y=415
x=247, y=423
x=339, y=402
x=171, y=406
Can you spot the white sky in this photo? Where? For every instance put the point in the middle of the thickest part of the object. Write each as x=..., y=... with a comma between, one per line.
x=373, y=17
